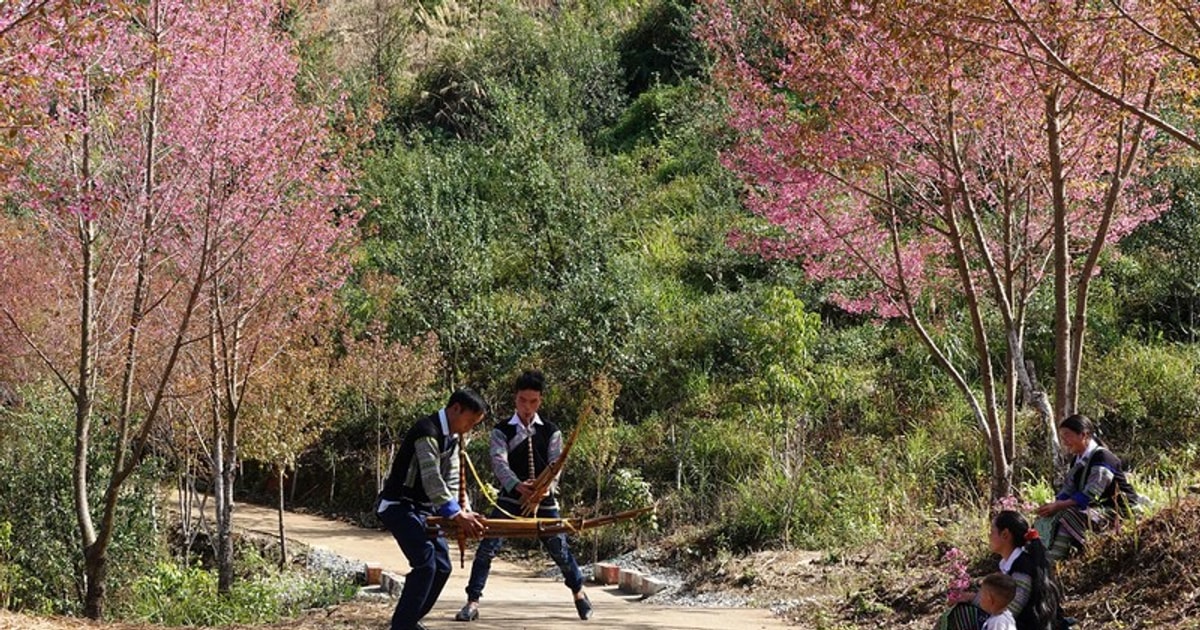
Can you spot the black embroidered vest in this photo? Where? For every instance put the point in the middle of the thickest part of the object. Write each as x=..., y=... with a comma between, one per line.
x=394, y=489
x=518, y=456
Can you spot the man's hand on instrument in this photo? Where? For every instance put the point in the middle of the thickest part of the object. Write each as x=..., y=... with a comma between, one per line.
x=525, y=488
x=470, y=524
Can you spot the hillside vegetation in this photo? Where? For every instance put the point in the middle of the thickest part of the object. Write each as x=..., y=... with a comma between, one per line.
x=541, y=185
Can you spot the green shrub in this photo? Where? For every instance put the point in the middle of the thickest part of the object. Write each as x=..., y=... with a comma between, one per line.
x=1144, y=397
x=629, y=491
x=852, y=492
x=660, y=46
x=19, y=589
x=651, y=117
x=719, y=452
x=563, y=68
x=36, y=455
x=626, y=490
x=1157, y=277
x=175, y=595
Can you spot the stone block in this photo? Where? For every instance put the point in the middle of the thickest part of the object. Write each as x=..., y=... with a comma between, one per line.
x=651, y=585
x=374, y=571
x=391, y=583
x=606, y=573
x=629, y=581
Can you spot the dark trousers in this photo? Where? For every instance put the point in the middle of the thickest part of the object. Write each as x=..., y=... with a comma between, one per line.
x=428, y=557
x=555, y=545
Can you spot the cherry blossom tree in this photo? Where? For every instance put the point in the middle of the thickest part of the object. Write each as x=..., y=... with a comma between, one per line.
x=1041, y=31
x=190, y=206
x=264, y=172
x=289, y=411
x=384, y=375
x=81, y=233
x=902, y=165
x=1146, y=41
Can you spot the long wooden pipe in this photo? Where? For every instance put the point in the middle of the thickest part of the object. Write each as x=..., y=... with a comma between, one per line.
x=541, y=485
x=532, y=527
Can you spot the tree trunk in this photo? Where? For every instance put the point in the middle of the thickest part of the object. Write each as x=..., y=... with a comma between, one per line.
x=224, y=547
x=1031, y=390
x=186, y=503
x=332, y=477
x=1010, y=409
x=221, y=495
x=95, y=571
x=1120, y=171
x=1043, y=407
x=379, y=454
x=95, y=560
x=678, y=461
x=227, y=392
x=292, y=487
x=1063, y=403
x=596, y=505
x=1001, y=465
x=282, y=536
x=225, y=526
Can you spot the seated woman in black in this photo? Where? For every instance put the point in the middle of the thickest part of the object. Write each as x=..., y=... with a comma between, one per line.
x=1022, y=557
x=1094, y=494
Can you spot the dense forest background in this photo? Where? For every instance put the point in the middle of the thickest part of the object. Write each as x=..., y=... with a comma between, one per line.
x=541, y=186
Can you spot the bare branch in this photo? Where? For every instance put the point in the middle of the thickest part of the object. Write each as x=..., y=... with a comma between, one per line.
x=1059, y=64
x=1172, y=46
x=42, y=355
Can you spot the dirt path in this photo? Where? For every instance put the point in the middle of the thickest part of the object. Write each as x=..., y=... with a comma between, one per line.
x=514, y=599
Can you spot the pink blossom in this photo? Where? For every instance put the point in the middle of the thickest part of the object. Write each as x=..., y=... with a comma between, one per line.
x=871, y=140
x=1013, y=503
x=955, y=566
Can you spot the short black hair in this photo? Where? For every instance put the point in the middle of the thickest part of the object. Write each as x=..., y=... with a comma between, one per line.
x=531, y=379
x=467, y=399
x=1002, y=585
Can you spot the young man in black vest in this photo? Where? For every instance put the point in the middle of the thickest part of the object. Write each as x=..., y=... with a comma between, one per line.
x=424, y=481
x=520, y=449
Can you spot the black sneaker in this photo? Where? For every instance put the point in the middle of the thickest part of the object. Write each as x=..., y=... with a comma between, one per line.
x=584, y=607
x=468, y=613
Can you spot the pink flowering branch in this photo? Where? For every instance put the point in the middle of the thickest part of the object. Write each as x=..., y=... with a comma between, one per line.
x=899, y=163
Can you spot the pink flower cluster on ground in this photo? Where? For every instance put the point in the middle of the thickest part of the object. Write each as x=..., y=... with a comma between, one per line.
x=955, y=562
x=1013, y=503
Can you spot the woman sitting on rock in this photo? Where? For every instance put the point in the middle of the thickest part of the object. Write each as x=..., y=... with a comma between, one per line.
x=1023, y=558
x=1094, y=494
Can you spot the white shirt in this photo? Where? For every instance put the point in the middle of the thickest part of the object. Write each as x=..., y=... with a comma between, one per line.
x=524, y=432
x=1087, y=452
x=1006, y=564
x=1003, y=621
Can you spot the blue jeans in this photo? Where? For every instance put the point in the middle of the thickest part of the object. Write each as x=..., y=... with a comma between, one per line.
x=428, y=557
x=555, y=545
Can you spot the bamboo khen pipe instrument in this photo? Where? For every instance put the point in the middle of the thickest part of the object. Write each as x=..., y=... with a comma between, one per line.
x=542, y=483
x=532, y=527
